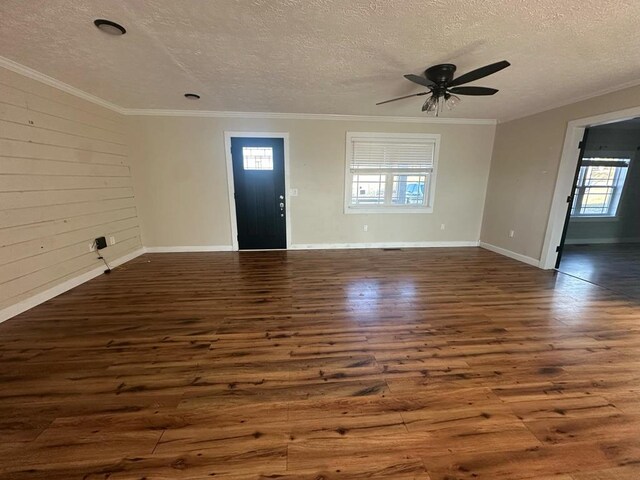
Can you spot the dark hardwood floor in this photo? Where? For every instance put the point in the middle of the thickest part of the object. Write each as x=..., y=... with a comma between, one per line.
x=441, y=364
x=613, y=266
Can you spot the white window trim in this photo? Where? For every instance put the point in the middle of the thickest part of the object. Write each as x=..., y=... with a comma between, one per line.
x=348, y=180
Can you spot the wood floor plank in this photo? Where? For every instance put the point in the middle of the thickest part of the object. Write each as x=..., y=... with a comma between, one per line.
x=516, y=463
x=429, y=364
x=565, y=407
x=628, y=472
x=592, y=429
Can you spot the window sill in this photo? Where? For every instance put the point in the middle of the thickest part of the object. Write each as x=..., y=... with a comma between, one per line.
x=586, y=218
x=386, y=209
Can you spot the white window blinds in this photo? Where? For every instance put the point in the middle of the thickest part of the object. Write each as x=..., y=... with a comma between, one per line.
x=387, y=154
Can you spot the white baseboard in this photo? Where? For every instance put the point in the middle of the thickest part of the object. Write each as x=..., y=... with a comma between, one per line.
x=317, y=246
x=508, y=253
x=195, y=248
x=24, y=305
x=599, y=241
x=341, y=246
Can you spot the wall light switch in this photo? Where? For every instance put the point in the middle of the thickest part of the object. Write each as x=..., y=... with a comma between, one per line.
x=112, y=240
x=293, y=192
x=442, y=226
x=511, y=233
x=92, y=247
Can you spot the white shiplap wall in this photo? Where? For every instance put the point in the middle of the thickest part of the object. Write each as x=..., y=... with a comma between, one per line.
x=64, y=180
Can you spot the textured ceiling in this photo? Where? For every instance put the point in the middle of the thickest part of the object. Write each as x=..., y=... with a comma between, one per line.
x=326, y=56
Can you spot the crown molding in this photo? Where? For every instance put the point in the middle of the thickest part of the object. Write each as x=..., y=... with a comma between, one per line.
x=557, y=106
x=41, y=77
x=52, y=82
x=307, y=116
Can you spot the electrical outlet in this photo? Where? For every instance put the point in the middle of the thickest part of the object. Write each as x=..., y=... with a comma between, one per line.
x=442, y=226
x=365, y=228
x=101, y=243
x=511, y=233
x=112, y=240
x=92, y=247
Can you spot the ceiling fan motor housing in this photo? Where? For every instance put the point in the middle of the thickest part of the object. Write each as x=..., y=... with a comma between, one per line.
x=441, y=74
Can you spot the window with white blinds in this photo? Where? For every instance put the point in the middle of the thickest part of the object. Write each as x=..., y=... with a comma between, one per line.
x=390, y=172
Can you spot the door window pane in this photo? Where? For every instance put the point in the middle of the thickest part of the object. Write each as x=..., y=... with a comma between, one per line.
x=257, y=158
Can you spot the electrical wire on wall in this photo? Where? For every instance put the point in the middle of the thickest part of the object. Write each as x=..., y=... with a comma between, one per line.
x=100, y=257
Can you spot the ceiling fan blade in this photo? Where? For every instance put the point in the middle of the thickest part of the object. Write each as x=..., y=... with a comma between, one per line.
x=473, y=91
x=425, y=82
x=479, y=73
x=401, y=98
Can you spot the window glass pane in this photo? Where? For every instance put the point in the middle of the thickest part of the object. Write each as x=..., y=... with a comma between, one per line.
x=257, y=158
x=603, y=176
x=368, y=189
x=408, y=189
x=596, y=200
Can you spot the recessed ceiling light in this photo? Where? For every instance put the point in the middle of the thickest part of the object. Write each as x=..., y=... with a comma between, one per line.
x=107, y=26
x=192, y=96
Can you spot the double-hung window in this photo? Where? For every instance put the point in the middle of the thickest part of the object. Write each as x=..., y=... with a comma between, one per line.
x=388, y=172
x=599, y=187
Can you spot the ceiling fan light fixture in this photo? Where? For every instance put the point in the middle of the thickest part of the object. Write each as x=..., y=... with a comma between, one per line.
x=431, y=105
x=451, y=101
x=109, y=27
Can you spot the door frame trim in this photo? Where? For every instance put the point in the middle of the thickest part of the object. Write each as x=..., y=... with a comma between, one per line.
x=228, y=135
x=565, y=177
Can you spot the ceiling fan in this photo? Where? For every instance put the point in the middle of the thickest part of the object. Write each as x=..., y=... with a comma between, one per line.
x=444, y=89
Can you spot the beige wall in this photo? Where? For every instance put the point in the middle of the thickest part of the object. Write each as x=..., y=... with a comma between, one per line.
x=180, y=177
x=64, y=180
x=524, y=167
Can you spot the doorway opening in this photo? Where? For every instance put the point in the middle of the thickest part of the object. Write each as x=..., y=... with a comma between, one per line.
x=600, y=241
x=257, y=171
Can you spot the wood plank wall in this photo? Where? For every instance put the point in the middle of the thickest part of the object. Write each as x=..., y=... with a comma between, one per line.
x=64, y=180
